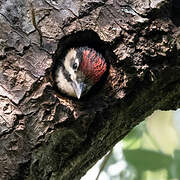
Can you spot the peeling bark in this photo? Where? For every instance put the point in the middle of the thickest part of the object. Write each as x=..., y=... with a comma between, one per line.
x=44, y=135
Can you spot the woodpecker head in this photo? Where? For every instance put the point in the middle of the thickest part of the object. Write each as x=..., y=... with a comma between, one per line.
x=81, y=68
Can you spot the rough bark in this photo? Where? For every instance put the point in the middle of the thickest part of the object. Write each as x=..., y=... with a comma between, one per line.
x=44, y=135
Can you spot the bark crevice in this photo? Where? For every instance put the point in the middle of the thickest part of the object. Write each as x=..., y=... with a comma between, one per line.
x=45, y=135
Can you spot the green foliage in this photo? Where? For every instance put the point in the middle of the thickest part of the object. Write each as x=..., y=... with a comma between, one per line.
x=152, y=163
x=149, y=152
x=143, y=159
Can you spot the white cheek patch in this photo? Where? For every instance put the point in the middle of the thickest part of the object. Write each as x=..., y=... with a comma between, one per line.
x=67, y=63
x=63, y=84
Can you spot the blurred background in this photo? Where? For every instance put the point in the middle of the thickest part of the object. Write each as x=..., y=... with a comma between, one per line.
x=151, y=151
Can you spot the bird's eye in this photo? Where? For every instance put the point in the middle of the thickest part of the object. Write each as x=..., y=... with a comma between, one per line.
x=75, y=66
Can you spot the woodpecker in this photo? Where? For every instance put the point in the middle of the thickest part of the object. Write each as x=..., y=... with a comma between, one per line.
x=80, y=69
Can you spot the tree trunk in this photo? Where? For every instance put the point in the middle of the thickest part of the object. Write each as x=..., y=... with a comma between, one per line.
x=45, y=135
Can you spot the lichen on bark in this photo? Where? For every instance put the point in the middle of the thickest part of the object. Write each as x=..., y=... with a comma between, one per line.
x=44, y=135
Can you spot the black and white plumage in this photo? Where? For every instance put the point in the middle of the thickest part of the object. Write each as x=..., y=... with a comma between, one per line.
x=80, y=69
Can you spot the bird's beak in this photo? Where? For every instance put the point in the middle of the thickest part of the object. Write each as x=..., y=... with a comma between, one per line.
x=78, y=88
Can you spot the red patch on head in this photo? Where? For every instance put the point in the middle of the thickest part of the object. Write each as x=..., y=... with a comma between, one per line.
x=93, y=65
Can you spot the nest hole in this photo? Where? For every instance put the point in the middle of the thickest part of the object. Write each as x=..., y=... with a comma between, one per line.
x=87, y=38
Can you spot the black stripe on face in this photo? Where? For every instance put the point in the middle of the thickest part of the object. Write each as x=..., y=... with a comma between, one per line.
x=66, y=74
